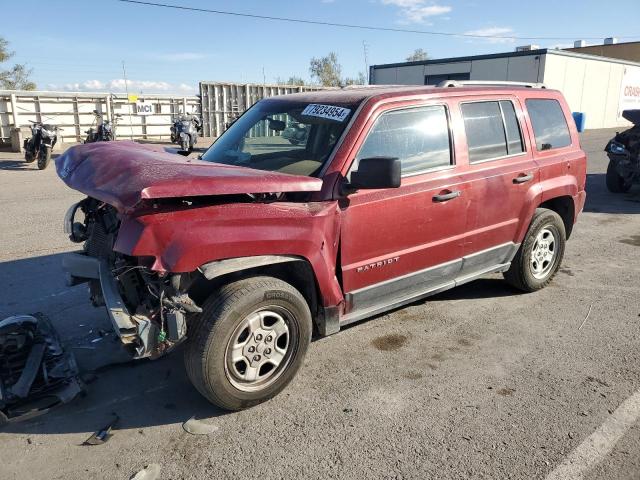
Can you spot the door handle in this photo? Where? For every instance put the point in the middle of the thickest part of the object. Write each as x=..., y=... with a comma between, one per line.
x=523, y=178
x=443, y=197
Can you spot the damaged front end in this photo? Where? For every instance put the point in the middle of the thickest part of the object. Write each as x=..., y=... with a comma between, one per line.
x=148, y=309
x=624, y=149
x=36, y=373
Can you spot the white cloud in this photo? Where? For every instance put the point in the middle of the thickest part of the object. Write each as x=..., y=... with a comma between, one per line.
x=417, y=11
x=502, y=34
x=118, y=85
x=180, y=56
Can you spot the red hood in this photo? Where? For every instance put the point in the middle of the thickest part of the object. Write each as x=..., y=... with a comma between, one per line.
x=124, y=173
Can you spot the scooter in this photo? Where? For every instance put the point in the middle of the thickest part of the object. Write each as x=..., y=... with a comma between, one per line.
x=105, y=130
x=39, y=146
x=184, y=132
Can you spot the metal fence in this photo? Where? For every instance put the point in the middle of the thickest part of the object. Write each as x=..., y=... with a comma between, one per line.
x=224, y=102
x=218, y=104
x=73, y=113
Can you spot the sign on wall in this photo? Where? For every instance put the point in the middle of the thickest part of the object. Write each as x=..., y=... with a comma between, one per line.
x=145, y=108
x=629, y=90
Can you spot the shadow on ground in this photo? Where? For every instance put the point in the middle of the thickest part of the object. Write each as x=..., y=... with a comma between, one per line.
x=601, y=200
x=6, y=164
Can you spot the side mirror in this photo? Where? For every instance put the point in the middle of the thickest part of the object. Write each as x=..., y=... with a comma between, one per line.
x=376, y=172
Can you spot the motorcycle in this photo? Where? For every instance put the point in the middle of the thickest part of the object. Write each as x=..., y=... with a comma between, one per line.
x=39, y=146
x=623, y=151
x=296, y=133
x=184, y=131
x=105, y=130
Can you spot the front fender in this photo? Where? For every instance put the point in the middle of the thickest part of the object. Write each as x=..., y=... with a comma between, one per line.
x=185, y=240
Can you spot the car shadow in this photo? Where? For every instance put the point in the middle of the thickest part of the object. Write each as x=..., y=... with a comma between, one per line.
x=142, y=393
x=601, y=200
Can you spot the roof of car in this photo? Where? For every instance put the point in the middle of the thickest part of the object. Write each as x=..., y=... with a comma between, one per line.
x=356, y=94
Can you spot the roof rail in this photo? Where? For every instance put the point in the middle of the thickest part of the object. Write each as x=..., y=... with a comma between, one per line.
x=487, y=83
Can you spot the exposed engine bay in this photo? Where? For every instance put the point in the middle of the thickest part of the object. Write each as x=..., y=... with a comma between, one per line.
x=149, y=309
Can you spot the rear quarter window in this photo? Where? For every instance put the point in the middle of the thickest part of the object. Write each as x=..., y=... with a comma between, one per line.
x=549, y=123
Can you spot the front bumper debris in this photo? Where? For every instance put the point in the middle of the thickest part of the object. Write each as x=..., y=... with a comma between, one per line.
x=36, y=373
x=133, y=329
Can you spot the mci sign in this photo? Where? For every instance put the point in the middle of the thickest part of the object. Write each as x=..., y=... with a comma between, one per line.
x=143, y=108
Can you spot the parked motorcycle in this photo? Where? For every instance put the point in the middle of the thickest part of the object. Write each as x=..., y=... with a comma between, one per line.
x=184, y=131
x=296, y=133
x=105, y=130
x=39, y=146
x=623, y=151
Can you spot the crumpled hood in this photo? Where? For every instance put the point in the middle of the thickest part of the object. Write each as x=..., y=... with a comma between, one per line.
x=124, y=173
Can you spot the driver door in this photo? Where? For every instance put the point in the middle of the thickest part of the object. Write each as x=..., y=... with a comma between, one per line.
x=401, y=243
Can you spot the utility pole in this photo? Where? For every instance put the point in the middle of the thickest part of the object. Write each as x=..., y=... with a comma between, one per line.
x=126, y=89
x=365, y=49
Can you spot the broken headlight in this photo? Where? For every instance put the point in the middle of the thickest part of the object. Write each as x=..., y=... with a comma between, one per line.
x=617, y=148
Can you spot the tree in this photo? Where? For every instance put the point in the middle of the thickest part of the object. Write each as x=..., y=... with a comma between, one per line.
x=361, y=79
x=17, y=77
x=293, y=80
x=417, y=55
x=326, y=70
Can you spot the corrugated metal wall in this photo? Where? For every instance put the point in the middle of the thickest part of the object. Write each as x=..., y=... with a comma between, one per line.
x=224, y=102
x=73, y=113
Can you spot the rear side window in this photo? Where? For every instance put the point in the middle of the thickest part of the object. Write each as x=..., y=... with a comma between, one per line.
x=492, y=130
x=549, y=125
x=418, y=136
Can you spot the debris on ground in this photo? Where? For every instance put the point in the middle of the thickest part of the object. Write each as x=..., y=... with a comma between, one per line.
x=150, y=472
x=103, y=435
x=36, y=372
x=198, y=427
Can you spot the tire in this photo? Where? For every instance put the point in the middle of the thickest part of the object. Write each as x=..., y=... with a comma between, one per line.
x=615, y=183
x=226, y=322
x=44, y=157
x=531, y=255
x=29, y=157
x=184, y=144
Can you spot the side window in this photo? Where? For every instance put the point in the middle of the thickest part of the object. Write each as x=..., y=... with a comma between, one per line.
x=549, y=125
x=492, y=130
x=418, y=136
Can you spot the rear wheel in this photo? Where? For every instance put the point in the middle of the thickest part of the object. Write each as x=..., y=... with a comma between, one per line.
x=44, y=157
x=540, y=254
x=615, y=182
x=248, y=343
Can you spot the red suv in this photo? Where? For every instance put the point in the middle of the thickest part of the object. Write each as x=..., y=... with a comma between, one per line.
x=373, y=198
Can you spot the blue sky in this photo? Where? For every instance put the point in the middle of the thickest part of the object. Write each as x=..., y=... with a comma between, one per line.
x=80, y=45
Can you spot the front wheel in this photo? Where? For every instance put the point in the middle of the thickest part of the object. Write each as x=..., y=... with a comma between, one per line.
x=540, y=254
x=616, y=183
x=248, y=343
x=184, y=144
x=44, y=157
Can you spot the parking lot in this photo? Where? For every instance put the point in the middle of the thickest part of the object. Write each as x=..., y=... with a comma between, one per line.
x=477, y=382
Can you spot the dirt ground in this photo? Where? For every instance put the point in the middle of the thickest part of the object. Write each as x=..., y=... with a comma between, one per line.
x=477, y=382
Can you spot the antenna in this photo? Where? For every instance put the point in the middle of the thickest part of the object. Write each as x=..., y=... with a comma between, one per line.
x=126, y=89
x=365, y=49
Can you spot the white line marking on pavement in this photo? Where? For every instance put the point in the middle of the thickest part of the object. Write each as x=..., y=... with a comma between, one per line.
x=600, y=443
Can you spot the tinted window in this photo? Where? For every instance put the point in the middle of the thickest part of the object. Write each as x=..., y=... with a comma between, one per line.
x=514, y=139
x=549, y=125
x=418, y=136
x=485, y=130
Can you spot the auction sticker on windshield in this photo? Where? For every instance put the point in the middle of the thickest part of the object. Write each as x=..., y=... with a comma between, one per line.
x=326, y=111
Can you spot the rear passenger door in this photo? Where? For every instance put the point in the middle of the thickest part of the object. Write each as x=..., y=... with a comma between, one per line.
x=502, y=175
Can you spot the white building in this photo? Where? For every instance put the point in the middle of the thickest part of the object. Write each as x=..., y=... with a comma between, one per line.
x=600, y=87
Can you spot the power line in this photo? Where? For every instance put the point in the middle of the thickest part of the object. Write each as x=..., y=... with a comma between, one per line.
x=349, y=25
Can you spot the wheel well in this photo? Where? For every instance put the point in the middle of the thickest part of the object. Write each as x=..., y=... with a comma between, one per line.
x=564, y=207
x=298, y=274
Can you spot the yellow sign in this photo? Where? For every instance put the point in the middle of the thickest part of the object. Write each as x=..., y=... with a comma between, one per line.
x=133, y=98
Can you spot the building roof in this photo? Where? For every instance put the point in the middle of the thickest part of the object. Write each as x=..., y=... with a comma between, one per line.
x=541, y=51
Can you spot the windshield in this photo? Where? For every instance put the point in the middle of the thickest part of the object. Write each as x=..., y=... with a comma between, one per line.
x=282, y=136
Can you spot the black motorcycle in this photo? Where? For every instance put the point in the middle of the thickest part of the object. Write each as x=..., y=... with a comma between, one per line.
x=105, y=130
x=296, y=133
x=39, y=146
x=184, y=132
x=623, y=151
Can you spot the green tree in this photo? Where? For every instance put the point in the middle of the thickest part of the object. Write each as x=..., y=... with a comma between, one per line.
x=417, y=55
x=326, y=70
x=361, y=79
x=293, y=80
x=16, y=77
